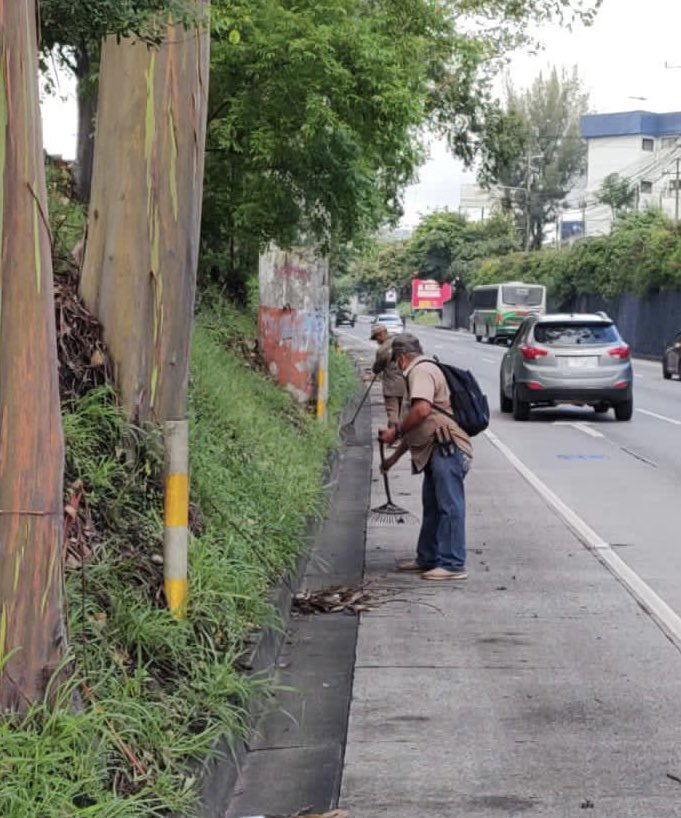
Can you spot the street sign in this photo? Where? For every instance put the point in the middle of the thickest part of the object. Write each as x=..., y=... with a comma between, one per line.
x=391, y=296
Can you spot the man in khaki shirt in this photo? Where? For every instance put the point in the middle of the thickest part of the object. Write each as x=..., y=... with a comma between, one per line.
x=394, y=386
x=442, y=451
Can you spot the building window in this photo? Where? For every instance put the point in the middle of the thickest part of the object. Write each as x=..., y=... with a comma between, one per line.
x=646, y=187
x=647, y=144
x=669, y=141
x=674, y=185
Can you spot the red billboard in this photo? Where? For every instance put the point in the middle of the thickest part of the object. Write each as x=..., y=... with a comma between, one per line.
x=427, y=294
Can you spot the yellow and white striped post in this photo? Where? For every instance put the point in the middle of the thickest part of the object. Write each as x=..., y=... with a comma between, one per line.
x=176, y=516
x=323, y=376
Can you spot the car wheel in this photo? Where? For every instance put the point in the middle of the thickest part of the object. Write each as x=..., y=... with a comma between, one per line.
x=624, y=411
x=601, y=408
x=505, y=404
x=666, y=374
x=521, y=408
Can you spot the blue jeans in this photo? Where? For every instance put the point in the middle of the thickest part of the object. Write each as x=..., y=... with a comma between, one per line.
x=442, y=539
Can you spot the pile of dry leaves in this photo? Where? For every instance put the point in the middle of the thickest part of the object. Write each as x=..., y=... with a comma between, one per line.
x=83, y=360
x=333, y=600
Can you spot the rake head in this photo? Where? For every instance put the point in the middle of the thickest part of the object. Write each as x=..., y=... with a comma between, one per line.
x=390, y=514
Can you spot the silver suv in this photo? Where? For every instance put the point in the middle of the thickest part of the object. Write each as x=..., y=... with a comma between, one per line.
x=579, y=359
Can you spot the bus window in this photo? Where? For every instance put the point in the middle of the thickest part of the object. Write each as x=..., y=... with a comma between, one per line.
x=522, y=296
x=485, y=299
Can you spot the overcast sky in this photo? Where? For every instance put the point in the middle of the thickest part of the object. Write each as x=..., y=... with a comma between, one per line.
x=621, y=56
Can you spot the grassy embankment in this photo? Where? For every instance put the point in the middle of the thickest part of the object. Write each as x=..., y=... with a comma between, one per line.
x=148, y=694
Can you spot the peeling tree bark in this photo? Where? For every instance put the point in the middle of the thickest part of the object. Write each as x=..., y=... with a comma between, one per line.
x=31, y=446
x=139, y=272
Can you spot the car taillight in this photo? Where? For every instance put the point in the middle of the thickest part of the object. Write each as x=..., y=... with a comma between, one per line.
x=621, y=384
x=500, y=318
x=620, y=352
x=533, y=385
x=530, y=353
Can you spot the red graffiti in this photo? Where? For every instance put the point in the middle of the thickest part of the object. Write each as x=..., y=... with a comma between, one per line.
x=290, y=361
x=292, y=271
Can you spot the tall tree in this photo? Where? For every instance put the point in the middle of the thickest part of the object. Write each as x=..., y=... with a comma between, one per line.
x=533, y=152
x=73, y=30
x=32, y=634
x=141, y=255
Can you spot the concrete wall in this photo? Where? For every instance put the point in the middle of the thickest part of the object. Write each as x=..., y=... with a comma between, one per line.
x=611, y=154
x=646, y=324
x=457, y=312
x=293, y=322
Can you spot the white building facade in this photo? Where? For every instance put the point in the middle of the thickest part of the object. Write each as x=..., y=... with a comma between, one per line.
x=641, y=146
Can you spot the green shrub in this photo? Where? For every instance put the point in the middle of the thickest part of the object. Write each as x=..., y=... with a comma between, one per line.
x=642, y=255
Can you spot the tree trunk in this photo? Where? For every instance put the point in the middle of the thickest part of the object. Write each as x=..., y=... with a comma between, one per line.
x=87, y=112
x=139, y=272
x=31, y=447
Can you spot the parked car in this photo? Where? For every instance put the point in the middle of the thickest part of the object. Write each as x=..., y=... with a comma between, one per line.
x=577, y=359
x=344, y=316
x=392, y=321
x=671, y=361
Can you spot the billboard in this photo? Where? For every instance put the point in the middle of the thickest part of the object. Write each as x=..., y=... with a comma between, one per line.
x=427, y=294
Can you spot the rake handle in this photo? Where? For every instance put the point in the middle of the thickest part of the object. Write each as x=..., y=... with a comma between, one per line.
x=381, y=447
x=364, y=397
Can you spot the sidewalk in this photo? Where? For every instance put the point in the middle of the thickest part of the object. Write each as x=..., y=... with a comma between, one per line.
x=538, y=687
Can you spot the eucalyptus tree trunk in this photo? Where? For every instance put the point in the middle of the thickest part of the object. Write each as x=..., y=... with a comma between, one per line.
x=87, y=112
x=32, y=634
x=139, y=271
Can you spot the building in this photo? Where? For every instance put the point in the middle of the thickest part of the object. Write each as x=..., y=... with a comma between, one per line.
x=641, y=146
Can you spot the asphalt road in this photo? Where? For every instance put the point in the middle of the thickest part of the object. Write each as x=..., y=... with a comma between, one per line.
x=620, y=481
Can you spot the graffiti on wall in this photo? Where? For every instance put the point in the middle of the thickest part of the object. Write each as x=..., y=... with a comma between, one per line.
x=294, y=319
x=292, y=342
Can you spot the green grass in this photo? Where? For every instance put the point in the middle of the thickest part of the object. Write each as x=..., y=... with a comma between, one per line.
x=147, y=694
x=427, y=318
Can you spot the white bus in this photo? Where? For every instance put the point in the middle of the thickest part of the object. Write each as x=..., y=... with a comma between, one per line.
x=499, y=309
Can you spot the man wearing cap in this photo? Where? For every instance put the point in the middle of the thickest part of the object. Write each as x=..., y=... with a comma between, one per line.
x=442, y=451
x=394, y=385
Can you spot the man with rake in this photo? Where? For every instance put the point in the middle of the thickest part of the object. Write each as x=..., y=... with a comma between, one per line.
x=442, y=451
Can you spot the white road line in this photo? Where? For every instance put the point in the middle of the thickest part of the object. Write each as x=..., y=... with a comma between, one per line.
x=659, y=417
x=582, y=427
x=664, y=617
x=490, y=360
x=641, y=377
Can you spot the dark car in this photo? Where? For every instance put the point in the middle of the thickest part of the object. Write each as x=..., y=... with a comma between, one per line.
x=345, y=316
x=577, y=359
x=671, y=361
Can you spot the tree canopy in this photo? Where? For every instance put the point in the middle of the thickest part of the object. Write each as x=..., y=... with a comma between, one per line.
x=317, y=111
x=445, y=246
x=533, y=151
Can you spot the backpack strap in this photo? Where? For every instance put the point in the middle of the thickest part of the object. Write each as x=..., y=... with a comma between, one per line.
x=433, y=406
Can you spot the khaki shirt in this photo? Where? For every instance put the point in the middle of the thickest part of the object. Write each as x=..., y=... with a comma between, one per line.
x=394, y=385
x=426, y=382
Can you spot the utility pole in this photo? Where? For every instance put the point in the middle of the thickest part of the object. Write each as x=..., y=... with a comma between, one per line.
x=528, y=185
x=676, y=192
x=527, y=200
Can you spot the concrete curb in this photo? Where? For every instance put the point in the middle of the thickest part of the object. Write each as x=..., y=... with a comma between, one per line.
x=220, y=774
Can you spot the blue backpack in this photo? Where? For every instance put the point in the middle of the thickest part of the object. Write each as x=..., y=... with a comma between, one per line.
x=469, y=402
